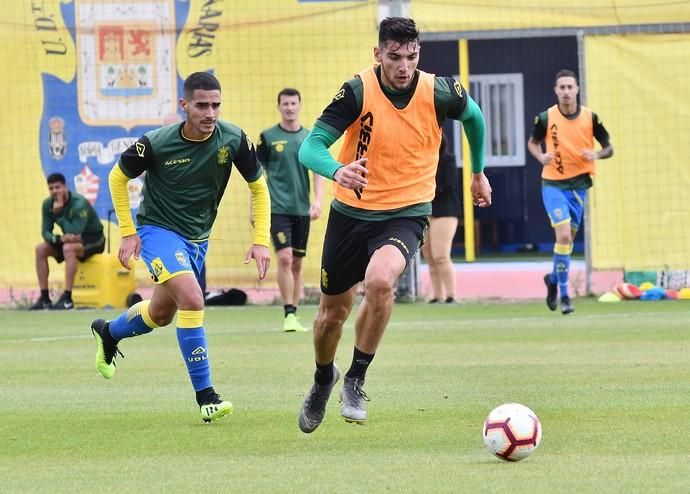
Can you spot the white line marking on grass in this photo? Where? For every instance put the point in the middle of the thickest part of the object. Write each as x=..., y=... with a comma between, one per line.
x=47, y=339
x=398, y=324
x=474, y=320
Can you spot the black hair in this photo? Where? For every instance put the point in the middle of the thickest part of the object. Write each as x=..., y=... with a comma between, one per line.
x=199, y=80
x=565, y=73
x=399, y=29
x=56, y=177
x=289, y=91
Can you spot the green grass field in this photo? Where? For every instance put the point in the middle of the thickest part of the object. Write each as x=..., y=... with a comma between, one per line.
x=610, y=383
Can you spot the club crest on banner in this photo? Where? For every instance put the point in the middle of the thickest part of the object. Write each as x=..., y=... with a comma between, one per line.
x=57, y=141
x=126, y=83
x=126, y=62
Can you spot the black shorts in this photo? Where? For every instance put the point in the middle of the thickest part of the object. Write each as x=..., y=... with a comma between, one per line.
x=350, y=243
x=94, y=243
x=290, y=231
x=446, y=203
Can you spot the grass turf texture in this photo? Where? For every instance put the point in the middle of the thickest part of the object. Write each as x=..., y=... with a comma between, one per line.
x=610, y=383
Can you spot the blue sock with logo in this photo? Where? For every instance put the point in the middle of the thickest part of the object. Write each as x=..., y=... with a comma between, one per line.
x=135, y=322
x=561, y=267
x=192, y=341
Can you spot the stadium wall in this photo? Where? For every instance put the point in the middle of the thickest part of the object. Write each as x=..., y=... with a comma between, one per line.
x=50, y=52
x=640, y=207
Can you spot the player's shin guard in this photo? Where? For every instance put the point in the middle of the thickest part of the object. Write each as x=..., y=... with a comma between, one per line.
x=136, y=321
x=192, y=339
x=561, y=266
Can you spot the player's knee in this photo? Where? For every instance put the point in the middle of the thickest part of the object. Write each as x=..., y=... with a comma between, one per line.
x=71, y=251
x=285, y=259
x=379, y=285
x=441, y=260
x=162, y=319
x=42, y=250
x=161, y=316
x=331, y=316
x=193, y=300
x=563, y=238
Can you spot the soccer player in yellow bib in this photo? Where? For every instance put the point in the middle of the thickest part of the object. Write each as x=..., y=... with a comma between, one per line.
x=384, y=181
x=568, y=130
x=187, y=169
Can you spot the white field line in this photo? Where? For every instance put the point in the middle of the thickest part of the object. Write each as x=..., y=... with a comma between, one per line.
x=47, y=339
x=397, y=324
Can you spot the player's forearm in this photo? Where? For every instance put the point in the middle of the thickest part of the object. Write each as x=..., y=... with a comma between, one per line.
x=534, y=149
x=47, y=226
x=117, y=181
x=318, y=188
x=606, y=152
x=314, y=153
x=261, y=211
x=71, y=238
x=49, y=236
x=47, y=232
x=475, y=129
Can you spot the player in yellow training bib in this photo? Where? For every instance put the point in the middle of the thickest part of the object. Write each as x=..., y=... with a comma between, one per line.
x=567, y=130
x=384, y=181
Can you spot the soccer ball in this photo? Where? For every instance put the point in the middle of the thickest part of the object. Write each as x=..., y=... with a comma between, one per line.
x=512, y=431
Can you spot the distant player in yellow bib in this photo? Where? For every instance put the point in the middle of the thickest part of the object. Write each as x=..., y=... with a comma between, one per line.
x=384, y=181
x=568, y=130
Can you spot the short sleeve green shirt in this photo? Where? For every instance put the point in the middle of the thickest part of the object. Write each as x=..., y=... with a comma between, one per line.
x=288, y=180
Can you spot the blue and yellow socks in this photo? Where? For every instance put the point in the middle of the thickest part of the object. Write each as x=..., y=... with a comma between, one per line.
x=192, y=339
x=190, y=336
x=136, y=321
x=561, y=267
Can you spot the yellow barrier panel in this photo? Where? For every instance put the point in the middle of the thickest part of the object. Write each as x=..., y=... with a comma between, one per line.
x=639, y=203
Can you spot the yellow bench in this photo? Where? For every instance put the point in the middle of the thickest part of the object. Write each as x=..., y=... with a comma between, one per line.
x=102, y=282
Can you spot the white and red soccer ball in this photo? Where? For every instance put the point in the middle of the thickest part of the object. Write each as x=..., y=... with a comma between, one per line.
x=512, y=431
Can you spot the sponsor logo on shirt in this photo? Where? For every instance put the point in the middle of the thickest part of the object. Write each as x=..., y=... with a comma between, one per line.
x=556, y=151
x=366, y=124
x=179, y=161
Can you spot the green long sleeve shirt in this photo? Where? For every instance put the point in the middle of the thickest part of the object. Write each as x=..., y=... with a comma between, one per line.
x=77, y=217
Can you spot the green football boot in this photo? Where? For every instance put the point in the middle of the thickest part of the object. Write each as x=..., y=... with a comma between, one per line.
x=291, y=325
x=106, y=348
x=214, y=407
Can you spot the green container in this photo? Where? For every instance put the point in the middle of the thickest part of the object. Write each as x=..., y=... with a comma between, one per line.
x=639, y=277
